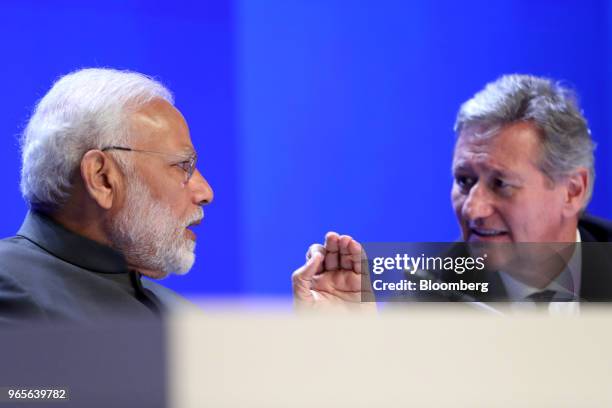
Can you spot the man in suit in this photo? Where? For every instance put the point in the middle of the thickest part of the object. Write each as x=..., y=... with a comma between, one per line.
x=109, y=172
x=523, y=170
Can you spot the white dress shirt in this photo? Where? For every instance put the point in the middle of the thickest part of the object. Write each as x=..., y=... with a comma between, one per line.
x=566, y=284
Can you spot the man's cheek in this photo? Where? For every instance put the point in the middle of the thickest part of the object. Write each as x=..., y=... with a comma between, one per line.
x=457, y=202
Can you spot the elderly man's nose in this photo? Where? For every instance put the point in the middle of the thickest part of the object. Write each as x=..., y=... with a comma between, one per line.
x=203, y=192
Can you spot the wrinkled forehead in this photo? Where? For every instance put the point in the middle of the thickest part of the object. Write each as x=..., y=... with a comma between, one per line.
x=479, y=131
x=159, y=126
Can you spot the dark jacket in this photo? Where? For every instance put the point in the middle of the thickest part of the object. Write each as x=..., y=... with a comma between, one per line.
x=50, y=273
x=596, y=268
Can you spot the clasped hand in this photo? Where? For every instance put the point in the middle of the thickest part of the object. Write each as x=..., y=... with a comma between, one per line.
x=334, y=275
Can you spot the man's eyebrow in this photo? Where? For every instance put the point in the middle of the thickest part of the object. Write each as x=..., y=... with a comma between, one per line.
x=493, y=171
x=506, y=174
x=460, y=166
x=187, y=151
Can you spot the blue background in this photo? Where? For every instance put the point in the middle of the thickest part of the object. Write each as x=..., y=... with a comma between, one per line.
x=308, y=116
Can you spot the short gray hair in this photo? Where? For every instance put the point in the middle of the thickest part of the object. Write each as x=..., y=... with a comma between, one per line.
x=86, y=109
x=565, y=137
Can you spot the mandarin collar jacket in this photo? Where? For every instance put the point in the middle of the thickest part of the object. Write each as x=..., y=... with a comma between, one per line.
x=50, y=273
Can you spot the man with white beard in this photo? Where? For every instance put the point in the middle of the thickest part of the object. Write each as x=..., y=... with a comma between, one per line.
x=109, y=172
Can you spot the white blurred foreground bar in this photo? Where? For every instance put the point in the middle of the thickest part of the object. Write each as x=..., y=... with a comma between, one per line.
x=433, y=357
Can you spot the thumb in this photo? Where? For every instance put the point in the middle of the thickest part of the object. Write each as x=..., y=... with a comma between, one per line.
x=302, y=278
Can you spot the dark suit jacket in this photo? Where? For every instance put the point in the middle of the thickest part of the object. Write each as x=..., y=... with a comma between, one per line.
x=50, y=273
x=596, y=269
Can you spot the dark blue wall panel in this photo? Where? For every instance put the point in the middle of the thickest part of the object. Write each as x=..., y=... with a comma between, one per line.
x=187, y=45
x=346, y=111
x=309, y=115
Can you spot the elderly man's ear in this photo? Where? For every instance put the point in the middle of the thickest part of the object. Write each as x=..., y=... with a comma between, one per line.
x=576, y=191
x=101, y=178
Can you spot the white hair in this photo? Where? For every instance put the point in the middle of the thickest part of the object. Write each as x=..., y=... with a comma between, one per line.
x=86, y=109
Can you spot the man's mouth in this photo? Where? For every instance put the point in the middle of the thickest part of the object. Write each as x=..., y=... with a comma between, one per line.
x=188, y=230
x=190, y=234
x=488, y=233
x=197, y=222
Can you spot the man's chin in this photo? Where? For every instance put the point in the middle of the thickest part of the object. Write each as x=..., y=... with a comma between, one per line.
x=185, y=263
x=180, y=264
x=497, y=255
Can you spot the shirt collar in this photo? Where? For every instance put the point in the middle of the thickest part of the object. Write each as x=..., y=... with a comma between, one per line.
x=566, y=283
x=69, y=246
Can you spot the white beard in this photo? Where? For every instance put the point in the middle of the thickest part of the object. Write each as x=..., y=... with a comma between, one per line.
x=149, y=235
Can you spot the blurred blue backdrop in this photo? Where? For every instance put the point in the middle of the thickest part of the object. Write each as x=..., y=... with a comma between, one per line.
x=308, y=116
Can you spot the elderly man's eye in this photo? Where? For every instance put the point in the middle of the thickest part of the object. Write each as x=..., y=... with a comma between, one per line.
x=500, y=184
x=184, y=165
x=465, y=183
